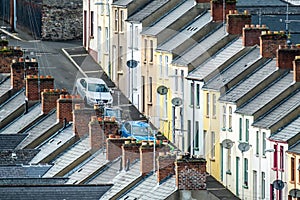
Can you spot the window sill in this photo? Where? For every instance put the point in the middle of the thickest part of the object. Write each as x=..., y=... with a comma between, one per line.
x=228, y=172
x=150, y=62
x=207, y=116
x=120, y=72
x=149, y=103
x=230, y=129
x=292, y=182
x=198, y=107
x=214, y=117
x=245, y=186
x=145, y=62
x=91, y=37
x=281, y=170
x=212, y=159
x=257, y=155
x=223, y=129
x=163, y=119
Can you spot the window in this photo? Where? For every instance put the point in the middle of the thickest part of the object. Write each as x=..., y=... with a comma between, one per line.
x=176, y=80
x=106, y=39
x=166, y=106
x=229, y=160
x=264, y=146
x=130, y=45
x=255, y=184
x=207, y=104
x=122, y=20
x=151, y=52
x=281, y=154
x=92, y=23
x=192, y=94
x=136, y=43
x=166, y=66
x=107, y=9
x=298, y=171
x=120, y=58
x=143, y=93
x=271, y=192
x=263, y=185
x=197, y=136
x=145, y=49
x=101, y=9
x=230, y=117
x=224, y=117
x=160, y=65
x=275, y=161
x=150, y=89
x=114, y=56
x=116, y=20
x=292, y=169
x=182, y=81
x=245, y=171
x=257, y=143
x=247, y=130
x=240, y=129
x=214, y=108
x=198, y=95
x=189, y=132
x=213, y=144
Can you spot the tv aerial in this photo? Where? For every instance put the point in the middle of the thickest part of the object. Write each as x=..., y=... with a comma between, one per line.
x=176, y=101
x=244, y=146
x=294, y=193
x=278, y=184
x=227, y=144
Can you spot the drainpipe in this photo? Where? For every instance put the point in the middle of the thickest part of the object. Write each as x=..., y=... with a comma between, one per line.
x=193, y=131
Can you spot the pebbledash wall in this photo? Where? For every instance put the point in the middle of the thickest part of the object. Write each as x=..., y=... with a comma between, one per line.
x=50, y=19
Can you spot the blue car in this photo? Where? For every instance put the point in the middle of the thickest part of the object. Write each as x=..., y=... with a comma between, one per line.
x=137, y=130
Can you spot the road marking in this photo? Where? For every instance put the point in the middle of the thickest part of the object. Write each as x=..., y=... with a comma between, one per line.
x=78, y=55
x=92, y=71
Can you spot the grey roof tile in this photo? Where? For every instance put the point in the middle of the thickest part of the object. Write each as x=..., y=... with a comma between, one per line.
x=147, y=10
x=122, y=180
x=23, y=171
x=295, y=148
x=14, y=103
x=53, y=143
x=169, y=18
x=216, y=60
x=23, y=121
x=5, y=86
x=287, y=132
x=122, y=2
x=267, y=95
x=84, y=171
x=32, y=181
x=10, y=141
x=234, y=70
x=260, y=3
x=186, y=33
x=39, y=129
x=279, y=112
x=74, y=192
x=200, y=48
x=241, y=89
x=69, y=156
x=17, y=157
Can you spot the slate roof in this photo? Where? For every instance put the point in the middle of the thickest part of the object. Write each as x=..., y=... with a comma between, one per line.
x=287, y=132
x=250, y=82
x=147, y=10
x=53, y=143
x=169, y=18
x=32, y=181
x=294, y=148
x=17, y=157
x=39, y=129
x=186, y=33
x=12, y=105
x=23, y=171
x=23, y=121
x=122, y=2
x=267, y=95
x=200, y=47
x=234, y=70
x=69, y=156
x=74, y=192
x=216, y=60
x=279, y=112
x=88, y=168
x=5, y=85
x=10, y=141
x=148, y=188
x=260, y=3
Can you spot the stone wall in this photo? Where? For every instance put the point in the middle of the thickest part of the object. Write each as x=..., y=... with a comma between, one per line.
x=62, y=20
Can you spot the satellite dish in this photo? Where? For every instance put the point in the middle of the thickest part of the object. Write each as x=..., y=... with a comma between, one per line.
x=162, y=90
x=227, y=144
x=244, y=146
x=294, y=193
x=132, y=63
x=177, y=101
x=278, y=184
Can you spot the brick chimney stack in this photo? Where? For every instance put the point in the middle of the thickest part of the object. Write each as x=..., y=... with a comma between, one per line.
x=65, y=106
x=270, y=41
x=190, y=173
x=97, y=137
x=130, y=152
x=35, y=84
x=296, y=69
x=236, y=21
x=166, y=166
x=114, y=147
x=81, y=119
x=252, y=33
x=19, y=70
x=286, y=55
x=49, y=98
x=8, y=55
x=217, y=8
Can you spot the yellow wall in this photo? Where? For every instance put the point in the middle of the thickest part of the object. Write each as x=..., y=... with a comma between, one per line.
x=296, y=184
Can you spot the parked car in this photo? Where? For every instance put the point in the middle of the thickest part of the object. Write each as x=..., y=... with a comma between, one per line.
x=137, y=130
x=93, y=90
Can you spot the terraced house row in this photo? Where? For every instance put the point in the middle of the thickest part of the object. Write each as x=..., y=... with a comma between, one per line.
x=238, y=84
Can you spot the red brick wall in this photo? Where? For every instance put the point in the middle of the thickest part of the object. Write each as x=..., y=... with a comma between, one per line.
x=217, y=9
x=130, y=152
x=190, y=174
x=97, y=138
x=236, y=22
x=251, y=34
x=7, y=56
x=297, y=69
x=269, y=43
x=49, y=98
x=166, y=166
x=286, y=55
x=32, y=88
x=114, y=148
